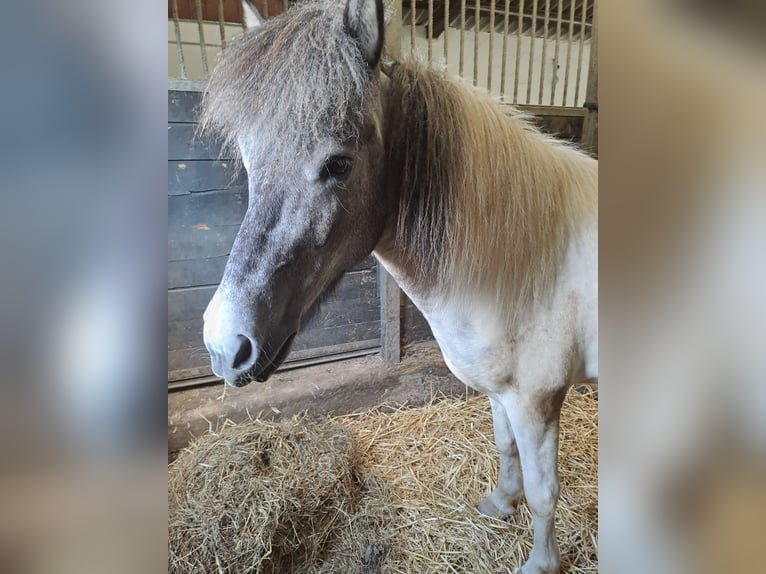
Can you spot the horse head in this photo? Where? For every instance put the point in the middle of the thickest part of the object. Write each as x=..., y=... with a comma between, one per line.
x=298, y=96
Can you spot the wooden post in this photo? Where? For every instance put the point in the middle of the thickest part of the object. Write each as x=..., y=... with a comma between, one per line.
x=390, y=315
x=390, y=295
x=589, y=140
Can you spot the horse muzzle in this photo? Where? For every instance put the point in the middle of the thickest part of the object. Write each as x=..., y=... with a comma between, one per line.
x=237, y=354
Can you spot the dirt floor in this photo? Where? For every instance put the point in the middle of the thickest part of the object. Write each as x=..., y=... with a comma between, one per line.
x=338, y=388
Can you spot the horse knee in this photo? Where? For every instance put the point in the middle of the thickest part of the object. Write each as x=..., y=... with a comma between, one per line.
x=542, y=497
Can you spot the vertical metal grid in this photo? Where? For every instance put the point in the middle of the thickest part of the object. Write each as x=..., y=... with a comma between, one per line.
x=532, y=36
x=485, y=35
x=477, y=20
x=179, y=47
x=445, y=34
x=202, y=44
x=462, y=36
x=569, y=51
x=413, y=20
x=430, y=27
x=555, y=76
x=517, y=71
x=505, y=49
x=579, y=55
x=491, y=43
x=545, y=50
x=221, y=24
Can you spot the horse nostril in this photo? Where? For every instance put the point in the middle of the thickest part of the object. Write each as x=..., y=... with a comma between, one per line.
x=244, y=352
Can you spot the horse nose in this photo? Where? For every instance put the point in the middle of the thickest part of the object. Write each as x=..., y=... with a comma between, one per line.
x=244, y=354
x=231, y=356
x=232, y=347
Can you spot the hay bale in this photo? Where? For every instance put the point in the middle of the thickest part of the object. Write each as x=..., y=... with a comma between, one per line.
x=390, y=490
x=266, y=497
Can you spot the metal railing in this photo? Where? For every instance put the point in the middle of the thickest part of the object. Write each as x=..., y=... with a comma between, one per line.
x=486, y=29
x=503, y=46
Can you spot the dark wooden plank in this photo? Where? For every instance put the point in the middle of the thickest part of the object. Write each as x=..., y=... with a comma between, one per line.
x=562, y=127
x=357, y=286
x=195, y=362
x=336, y=335
x=368, y=262
x=183, y=106
x=190, y=176
x=414, y=326
x=200, y=242
x=188, y=332
x=232, y=9
x=212, y=209
x=196, y=272
x=181, y=361
x=208, y=271
x=185, y=144
x=185, y=304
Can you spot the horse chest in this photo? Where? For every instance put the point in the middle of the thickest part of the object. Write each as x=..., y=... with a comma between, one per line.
x=475, y=348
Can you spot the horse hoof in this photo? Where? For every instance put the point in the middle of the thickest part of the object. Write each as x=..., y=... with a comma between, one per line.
x=495, y=506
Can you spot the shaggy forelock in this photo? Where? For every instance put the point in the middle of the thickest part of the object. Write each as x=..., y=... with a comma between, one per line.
x=296, y=80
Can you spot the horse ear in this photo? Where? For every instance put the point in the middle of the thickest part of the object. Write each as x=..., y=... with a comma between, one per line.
x=252, y=17
x=364, y=22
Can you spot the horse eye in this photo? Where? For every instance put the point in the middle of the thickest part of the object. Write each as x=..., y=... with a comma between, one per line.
x=337, y=167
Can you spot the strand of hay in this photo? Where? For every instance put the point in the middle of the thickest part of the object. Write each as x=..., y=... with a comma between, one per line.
x=389, y=490
x=438, y=461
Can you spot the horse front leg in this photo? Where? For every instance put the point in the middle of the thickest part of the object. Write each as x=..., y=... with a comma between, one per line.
x=535, y=423
x=503, y=500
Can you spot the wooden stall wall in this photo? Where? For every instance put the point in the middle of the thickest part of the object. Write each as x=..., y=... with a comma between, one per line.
x=207, y=199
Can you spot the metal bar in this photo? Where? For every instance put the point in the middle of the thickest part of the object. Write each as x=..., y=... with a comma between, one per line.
x=221, y=24
x=569, y=51
x=532, y=36
x=392, y=36
x=202, y=46
x=517, y=71
x=589, y=139
x=476, y=17
x=505, y=49
x=538, y=110
x=430, y=30
x=462, y=35
x=530, y=16
x=491, y=43
x=390, y=336
x=446, y=30
x=582, y=47
x=545, y=49
x=265, y=9
x=555, y=76
x=412, y=27
x=285, y=5
x=179, y=47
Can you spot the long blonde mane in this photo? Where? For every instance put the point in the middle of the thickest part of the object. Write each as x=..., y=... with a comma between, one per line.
x=486, y=200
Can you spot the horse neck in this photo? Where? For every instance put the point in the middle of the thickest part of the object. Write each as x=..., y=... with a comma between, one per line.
x=481, y=199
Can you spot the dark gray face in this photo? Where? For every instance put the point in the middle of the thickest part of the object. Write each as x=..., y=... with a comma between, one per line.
x=314, y=211
x=304, y=227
